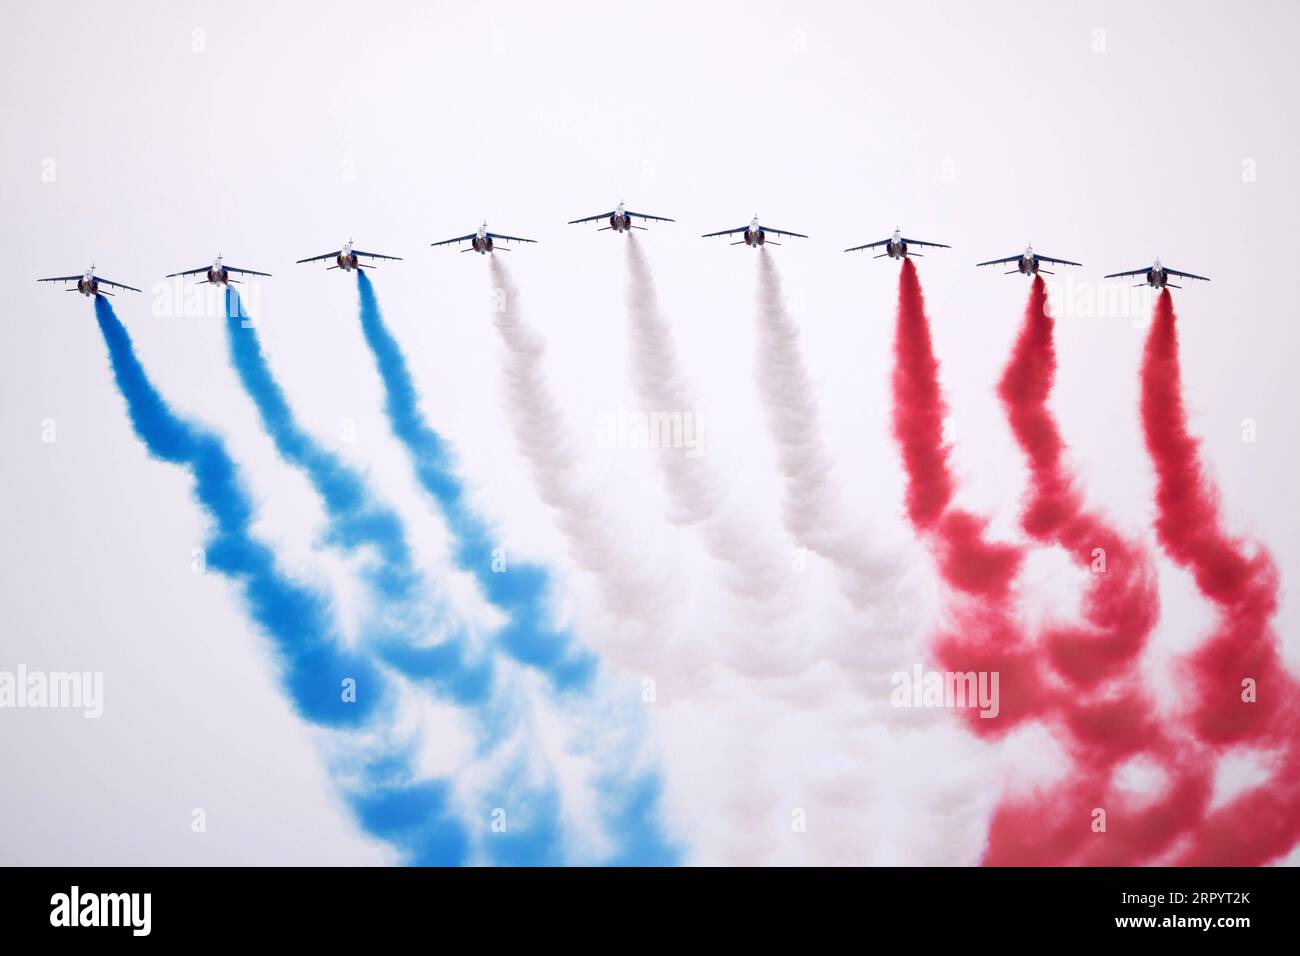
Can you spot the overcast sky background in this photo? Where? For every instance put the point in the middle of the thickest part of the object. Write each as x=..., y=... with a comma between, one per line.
x=150, y=137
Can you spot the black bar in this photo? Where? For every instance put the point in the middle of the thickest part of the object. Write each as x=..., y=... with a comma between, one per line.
x=563, y=906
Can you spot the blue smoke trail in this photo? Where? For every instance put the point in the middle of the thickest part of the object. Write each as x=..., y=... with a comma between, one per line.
x=315, y=667
x=521, y=593
x=356, y=519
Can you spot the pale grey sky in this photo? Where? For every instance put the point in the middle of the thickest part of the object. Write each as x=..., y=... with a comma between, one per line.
x=149, y=137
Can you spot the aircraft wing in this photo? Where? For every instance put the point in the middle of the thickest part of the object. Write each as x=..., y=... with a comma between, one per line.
x=869, y=245
x=246, y=272
x=497, y=235
x=447, y=242
x=62, y=278
x=644, y=215
x=323, y=255
x=371, y=255
x=932, y=245
x=603, y=215
x=782, y=232
x=725, y=232
x=116, y=285
x=1186, y=275
x=1132, y=272
x=1059, y=262
x=998, y=262
x=190, y=272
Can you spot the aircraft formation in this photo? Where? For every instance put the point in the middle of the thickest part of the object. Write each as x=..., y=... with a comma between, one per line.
x=621, y=219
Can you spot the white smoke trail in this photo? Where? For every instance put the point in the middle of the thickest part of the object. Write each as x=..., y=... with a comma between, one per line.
x=875, y=579
x=755, y=572
x=815, y=773
x=884, y=635
x=769, y=656
x=783, y=727
x=634, y=587
x=695, y=670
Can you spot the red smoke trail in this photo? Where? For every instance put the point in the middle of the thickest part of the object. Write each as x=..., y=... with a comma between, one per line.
x=1080, y=681
x=1105, y=710
x=1122, y=603
x=1263, y=823
x=985, y=634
